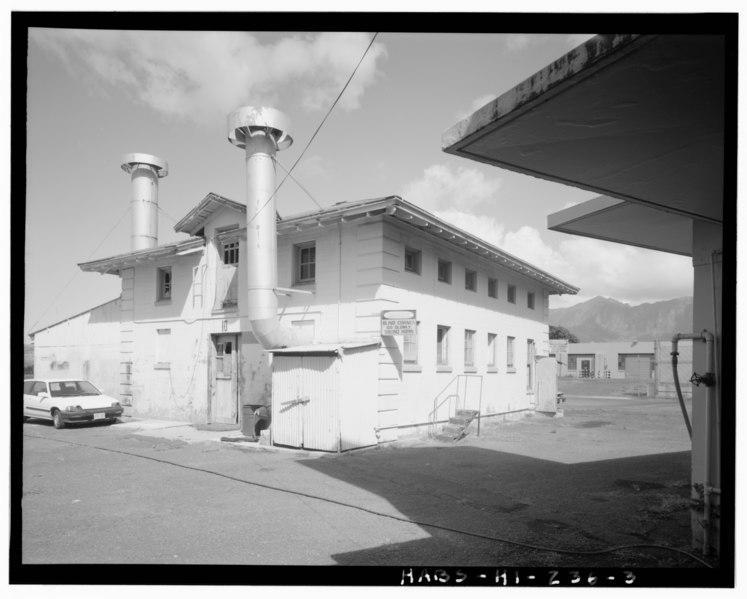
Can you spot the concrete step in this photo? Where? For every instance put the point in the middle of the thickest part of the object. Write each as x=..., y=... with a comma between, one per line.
x=449, y=437
x=472, y=414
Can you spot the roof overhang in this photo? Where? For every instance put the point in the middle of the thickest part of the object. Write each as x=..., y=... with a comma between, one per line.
x=114, y=264
x=398, y=209
x=610, y=219
x=325, y=349
x=195, y=219
x=640, y=118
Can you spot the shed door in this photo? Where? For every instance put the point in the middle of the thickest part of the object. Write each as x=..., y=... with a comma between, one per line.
x=638, y=367
x=304, y=402
x=547, y=384
x=224, y=388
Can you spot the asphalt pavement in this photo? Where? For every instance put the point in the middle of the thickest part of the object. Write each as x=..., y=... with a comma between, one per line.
x=538, y=491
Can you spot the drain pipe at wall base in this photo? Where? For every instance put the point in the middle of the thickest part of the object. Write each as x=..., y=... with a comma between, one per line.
x=261, y=132
x=709, y=380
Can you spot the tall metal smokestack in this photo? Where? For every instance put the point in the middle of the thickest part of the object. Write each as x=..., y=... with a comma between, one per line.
x=145, y=171
x=262, y=132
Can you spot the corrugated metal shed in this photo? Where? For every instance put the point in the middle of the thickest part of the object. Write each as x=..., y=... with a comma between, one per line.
x=324, y=397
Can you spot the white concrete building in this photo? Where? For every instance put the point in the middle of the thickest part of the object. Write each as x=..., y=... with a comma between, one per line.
x=177, y=344
x=610, y=360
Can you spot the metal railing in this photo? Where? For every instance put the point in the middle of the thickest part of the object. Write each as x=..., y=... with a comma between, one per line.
x=455, y=394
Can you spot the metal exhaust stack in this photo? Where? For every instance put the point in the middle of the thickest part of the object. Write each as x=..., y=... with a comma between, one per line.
x=145, y=170
x=262, y=132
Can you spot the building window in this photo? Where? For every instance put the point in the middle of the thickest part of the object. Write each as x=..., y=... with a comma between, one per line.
x=306, y=263
x=491, y=350
x=509, y=352
x=469, y=348
x=493, y=288
x=444, y=271
x=572, y=364
x=412, y=260
x=530, y=301
x=410, y=346
x=511, y=295
x=163, y=276
x=223, y=360
x=470, y=280
x=163, y=348
x=231, y=253
x=442, y=345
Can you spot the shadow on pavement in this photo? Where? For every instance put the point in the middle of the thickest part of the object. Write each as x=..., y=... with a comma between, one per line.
x=583, y=507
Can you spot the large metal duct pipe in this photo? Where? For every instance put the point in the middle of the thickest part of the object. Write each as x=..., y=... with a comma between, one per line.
x=262, y=132
x=145, y=170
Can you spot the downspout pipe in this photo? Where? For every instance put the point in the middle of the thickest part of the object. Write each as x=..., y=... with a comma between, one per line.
x=261, y=132
x=709, y=380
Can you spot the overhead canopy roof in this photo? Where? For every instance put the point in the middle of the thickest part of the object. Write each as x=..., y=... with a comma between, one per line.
x=634, y=117
x=625, y=222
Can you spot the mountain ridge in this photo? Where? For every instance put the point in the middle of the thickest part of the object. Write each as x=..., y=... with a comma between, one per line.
x=604, y=319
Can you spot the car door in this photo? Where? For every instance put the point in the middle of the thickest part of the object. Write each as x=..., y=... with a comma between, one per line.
x=36, y=404
x=27, y=396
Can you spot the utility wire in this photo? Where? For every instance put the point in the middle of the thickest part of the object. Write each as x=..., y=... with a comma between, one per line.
x=77, y=270
x=171, y=218
x=324, y=120
x=297, y=182
x=382, y=514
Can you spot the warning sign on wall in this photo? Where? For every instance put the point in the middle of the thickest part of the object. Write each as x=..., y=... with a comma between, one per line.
x=398, y=322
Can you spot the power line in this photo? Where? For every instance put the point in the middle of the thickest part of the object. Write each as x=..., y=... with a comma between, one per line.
x=324, y=120
x=77, y=271
x=297, y=182
x=171, y=218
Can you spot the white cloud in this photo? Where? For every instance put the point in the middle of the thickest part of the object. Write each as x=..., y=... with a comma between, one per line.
x=626, y=273
x=476, y=104
x=312, y=166
x=519, y=41
x=516, y=42
x=441, y=189
x=576, y=39
x=466, y=198
x=198, y=75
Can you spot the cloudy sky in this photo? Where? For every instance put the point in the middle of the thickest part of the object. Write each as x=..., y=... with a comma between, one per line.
x=94, y=95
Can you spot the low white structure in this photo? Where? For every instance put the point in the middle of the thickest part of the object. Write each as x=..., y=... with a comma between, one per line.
x=177, y=343
x=633, y=360
x=609, y=360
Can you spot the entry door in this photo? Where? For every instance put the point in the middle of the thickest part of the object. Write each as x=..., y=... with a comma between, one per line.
x=638, y=367
x=586, y=368
x=224, y=397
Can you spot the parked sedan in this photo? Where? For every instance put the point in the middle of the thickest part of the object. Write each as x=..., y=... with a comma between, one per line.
x=65, y=401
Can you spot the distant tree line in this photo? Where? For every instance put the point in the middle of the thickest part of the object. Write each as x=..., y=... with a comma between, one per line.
x=562, y=333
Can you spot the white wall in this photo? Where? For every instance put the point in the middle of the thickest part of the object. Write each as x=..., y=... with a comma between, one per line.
x=605, y=356
x=84, y=346
x=359, y=273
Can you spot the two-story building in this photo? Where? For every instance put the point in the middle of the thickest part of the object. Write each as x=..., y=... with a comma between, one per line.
x=176, y=344
x=252, y=310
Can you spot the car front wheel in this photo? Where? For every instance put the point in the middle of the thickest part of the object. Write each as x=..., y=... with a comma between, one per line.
x=57, y=420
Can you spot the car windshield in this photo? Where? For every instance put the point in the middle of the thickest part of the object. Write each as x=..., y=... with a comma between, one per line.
x=65, y=388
